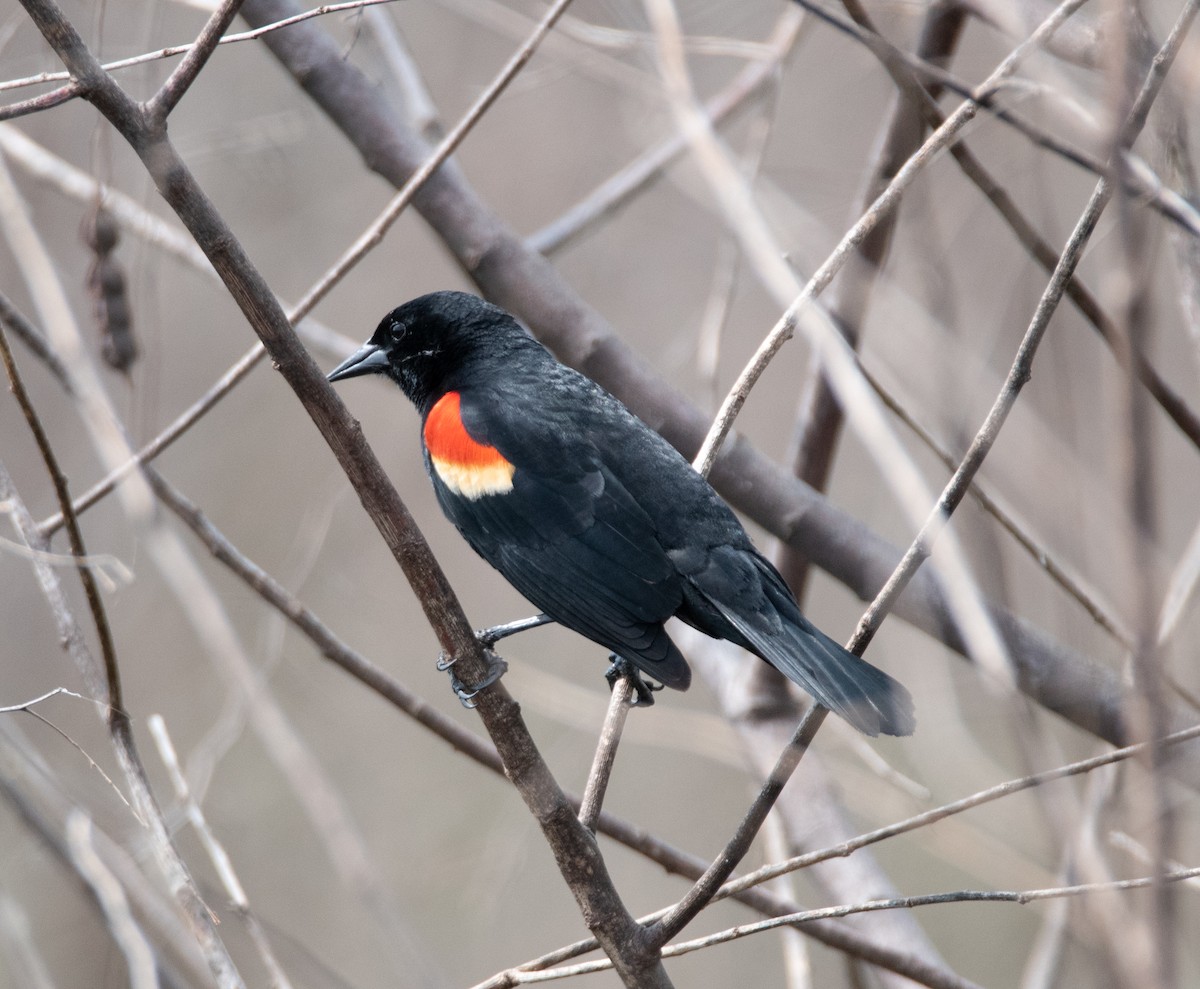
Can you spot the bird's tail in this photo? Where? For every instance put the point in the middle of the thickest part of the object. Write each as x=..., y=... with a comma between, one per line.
x=848, y=685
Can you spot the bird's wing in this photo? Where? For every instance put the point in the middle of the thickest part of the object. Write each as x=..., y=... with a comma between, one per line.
x=569, y=536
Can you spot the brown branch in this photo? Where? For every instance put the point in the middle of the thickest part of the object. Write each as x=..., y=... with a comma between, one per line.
x=29, y=335
x=606, y=753
x=184, y=74
x=36, y=104
x=112, y=697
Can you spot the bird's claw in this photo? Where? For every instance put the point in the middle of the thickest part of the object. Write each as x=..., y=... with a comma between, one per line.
x=497, y=667
x=622, y=669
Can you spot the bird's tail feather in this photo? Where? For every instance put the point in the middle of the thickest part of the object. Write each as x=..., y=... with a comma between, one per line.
x=848, y=685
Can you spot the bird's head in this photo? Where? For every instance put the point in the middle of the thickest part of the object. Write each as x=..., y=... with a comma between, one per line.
x=434, y=343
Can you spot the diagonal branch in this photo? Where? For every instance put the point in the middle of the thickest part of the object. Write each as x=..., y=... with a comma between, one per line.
x=185, y=73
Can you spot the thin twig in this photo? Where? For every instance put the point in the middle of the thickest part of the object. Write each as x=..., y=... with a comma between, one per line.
x=1021, y=897
x=184, y=74
x=703, y=890
x=1037, y=551
x=935, y=814
x=1143, y=186
x=606, y=752
x=130, y=938
x=84, y=752
x=217, y=855
x=617, y=190
x=1019, y=373
x=171, y=51
x=180, y=425
x=108, y=654
x=446, y=147
x=36, y=104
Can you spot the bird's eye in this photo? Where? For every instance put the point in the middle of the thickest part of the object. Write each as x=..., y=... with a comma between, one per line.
x=396, y=331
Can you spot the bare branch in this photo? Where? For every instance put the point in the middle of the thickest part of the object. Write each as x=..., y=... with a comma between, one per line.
x=216, y=854
x=125, y=930
x=185, y=73
x=618, y=189
x=71, y=90
x=606, y=752
x=1169, y=204
x=630, y=835
x=935, y=814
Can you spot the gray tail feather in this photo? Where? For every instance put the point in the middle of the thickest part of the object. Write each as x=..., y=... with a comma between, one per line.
x=848, y=685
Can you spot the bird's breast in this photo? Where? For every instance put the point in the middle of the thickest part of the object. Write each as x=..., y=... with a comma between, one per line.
x=467, y=467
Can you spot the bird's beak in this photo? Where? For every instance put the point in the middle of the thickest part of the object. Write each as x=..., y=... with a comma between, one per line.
x=370, y=359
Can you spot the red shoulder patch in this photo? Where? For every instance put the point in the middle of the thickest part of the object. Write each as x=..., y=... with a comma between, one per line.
x=466, y=466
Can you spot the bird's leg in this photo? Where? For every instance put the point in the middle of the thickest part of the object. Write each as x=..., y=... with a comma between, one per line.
x=488, y=637
x=622, y=669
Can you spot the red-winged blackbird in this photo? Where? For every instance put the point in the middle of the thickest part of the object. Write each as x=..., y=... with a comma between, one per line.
x=591, y=514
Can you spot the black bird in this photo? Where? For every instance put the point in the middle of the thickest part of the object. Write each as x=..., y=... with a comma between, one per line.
x=591, y=514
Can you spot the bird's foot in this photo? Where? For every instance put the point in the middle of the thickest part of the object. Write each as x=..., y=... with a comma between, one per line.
x=467, y=694
x=622, y=669
x=488, y=637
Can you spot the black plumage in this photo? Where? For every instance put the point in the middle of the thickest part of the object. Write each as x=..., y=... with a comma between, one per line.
x=592, y=515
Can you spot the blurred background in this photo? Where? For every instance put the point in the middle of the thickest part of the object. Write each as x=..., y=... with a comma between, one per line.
x=372, y=852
